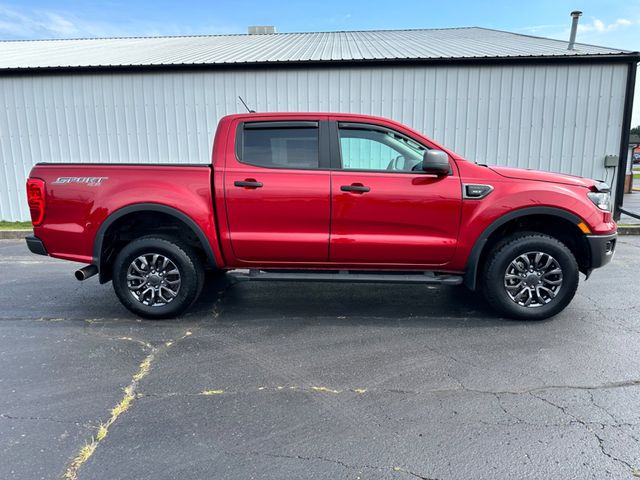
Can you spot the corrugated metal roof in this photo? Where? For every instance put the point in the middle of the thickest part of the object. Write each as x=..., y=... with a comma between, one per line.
x=431, y=44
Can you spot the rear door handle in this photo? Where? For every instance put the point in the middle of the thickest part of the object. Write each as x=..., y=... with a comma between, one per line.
x=248, y=183
x=355, y=187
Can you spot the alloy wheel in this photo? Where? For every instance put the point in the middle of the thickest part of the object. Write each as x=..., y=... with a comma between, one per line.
x=153, y=279
x=533, y=279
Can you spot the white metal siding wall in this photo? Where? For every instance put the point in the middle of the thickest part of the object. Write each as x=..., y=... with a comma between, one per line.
x=556, y=117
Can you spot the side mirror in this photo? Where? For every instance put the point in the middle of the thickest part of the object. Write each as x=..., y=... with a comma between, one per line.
x=436, y=162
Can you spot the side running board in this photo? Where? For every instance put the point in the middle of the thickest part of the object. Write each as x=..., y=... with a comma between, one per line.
x=346, y=276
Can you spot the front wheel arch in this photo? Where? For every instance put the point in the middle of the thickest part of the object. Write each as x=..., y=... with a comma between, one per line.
x=555, y=222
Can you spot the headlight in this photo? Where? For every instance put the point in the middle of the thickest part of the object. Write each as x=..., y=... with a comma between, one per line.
x=601, y=200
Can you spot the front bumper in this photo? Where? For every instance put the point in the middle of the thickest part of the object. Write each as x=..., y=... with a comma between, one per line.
x=602, y=249
x=35, y=245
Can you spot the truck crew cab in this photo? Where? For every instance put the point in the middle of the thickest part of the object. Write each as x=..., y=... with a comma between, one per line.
x=325, y=197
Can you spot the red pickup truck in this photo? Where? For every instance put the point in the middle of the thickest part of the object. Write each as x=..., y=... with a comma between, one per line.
x=324, y=197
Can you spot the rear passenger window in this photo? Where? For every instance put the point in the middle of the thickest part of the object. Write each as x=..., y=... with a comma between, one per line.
x=280, y=147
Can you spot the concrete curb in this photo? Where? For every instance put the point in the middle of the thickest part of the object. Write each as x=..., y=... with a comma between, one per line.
x=629, y=230
x=14, y=234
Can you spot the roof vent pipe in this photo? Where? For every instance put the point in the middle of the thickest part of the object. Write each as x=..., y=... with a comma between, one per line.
x=576, y=14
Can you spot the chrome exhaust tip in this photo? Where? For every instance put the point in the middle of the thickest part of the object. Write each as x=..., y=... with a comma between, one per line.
x=86, y=272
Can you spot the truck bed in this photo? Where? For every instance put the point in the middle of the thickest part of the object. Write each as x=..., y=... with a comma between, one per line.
x=81, y=196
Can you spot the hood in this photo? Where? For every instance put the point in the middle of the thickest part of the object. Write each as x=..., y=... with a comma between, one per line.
x=537, y=175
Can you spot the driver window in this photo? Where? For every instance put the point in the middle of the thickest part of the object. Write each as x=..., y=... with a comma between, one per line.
x=364, y=149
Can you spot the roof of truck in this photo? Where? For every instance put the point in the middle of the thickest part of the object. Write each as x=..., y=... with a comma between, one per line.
x=424, y=45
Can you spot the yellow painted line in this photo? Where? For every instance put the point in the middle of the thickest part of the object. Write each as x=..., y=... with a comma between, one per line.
x=282, y=388
x=128, y=397
x=144, y=368
x=324, y=389
x=122, y=406
x=141, y=342
x=212, y=392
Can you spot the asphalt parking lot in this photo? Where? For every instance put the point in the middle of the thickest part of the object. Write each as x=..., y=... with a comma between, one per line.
x=291, y=381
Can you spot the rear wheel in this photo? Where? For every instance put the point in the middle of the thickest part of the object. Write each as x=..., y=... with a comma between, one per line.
x=157, y=277
x=530, y=276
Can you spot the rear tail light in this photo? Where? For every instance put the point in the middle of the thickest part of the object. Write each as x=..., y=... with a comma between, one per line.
x=36, y=199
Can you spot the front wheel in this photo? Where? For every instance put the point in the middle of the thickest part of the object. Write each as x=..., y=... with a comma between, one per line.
x=530, y=276
x=157, y=277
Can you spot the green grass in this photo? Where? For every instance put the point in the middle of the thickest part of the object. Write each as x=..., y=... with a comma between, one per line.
x=15, y=225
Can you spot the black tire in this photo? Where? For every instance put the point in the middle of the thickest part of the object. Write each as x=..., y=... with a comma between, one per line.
x=183, y=257
x=495, y=277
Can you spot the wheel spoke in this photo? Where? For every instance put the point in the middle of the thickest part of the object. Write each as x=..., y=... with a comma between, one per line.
x=161, y=297
x=529, y=298
x=520, y=295
x=152, y=300
x=169, y=291
x=135, y=267
x=143, y=295
x=555, y=271
x=538, y=296
x=549, y=292
x=538, y=258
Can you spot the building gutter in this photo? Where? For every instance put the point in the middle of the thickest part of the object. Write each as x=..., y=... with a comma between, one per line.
x=471, y=61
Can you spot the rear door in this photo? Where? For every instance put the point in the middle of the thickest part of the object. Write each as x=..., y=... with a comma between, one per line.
x=277, y=192
x=385, y=210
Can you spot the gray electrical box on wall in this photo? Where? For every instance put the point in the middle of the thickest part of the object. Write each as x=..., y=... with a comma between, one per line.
x=611, y=160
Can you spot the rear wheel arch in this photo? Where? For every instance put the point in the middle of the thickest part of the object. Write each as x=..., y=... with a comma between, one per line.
x=559, y=223
x=110, y=226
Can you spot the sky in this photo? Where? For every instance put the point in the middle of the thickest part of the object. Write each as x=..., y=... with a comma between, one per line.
x=611, y=23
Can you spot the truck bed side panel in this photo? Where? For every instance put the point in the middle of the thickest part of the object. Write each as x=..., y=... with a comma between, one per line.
x=80, y=197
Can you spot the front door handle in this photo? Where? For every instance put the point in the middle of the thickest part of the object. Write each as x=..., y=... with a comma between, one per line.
x=355, y=187
x=247, y=183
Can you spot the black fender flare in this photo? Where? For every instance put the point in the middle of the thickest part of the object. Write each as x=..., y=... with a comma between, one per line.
x=471, y=270
x=147, y=207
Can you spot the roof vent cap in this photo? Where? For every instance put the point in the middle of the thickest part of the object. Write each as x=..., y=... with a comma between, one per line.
x=261, y=29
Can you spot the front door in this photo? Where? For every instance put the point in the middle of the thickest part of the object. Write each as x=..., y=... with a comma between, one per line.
x=385, y=210
x=277, y=194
